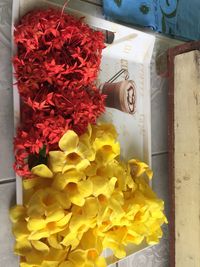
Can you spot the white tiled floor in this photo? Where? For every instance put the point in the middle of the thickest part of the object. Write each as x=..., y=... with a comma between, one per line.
x=152, y=257
x=7, y=199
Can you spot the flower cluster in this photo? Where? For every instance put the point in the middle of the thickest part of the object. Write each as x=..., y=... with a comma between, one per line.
x=55, y=52
x=57, y=63
x=85, y=200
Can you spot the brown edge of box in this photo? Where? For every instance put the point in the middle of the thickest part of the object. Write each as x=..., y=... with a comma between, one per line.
x=172, y=52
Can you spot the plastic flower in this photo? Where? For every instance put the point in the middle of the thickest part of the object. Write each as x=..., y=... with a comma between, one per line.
x=35, y=138
x=104, y=143
x=55, y=51
x=41, y=130
x=21, y=232
x=73, y=155
x=78, y=190
x=56, y=67
x=77, y=153
x=138, y=168
x=82, y=258
x=71, y=213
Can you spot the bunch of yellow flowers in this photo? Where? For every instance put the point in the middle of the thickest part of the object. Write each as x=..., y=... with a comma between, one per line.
x=84, y=201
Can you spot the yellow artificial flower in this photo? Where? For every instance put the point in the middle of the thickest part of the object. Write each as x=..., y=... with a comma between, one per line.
x=42, y=170
x=51, y=259
x=74, y=154
x=103, y=128
x=23, y=245
x=46, y=201
x=76, y=187
x=52, y=224
x=83, y=219
x=103, y=186
x=85, y=201
x=84, y=258
x=30, y=186
x=61, y=180
x=106, y=148
x=138, y=168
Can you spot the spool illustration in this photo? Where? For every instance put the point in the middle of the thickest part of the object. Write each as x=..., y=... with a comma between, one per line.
x=120, y=95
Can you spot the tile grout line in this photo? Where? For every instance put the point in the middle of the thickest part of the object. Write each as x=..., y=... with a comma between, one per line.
x=159, y=153
x=92, y=3
x=7, y=181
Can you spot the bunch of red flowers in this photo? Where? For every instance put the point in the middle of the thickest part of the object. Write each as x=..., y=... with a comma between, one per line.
x=55, y=52
x=56, y=66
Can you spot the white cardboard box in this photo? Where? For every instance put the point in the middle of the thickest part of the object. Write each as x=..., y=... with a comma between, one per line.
x=131, y=51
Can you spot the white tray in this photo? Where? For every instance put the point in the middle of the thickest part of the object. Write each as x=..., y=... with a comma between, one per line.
x=131, y=50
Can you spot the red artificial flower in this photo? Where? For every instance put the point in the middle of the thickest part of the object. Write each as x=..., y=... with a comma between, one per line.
x=74, y=109
x=57, y=63
x=38, y=131
x=55, y=52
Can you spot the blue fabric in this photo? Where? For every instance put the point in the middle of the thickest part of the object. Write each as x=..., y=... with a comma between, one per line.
x=180, y=18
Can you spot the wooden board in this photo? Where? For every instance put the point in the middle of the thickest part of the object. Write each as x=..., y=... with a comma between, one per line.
x=184, y=155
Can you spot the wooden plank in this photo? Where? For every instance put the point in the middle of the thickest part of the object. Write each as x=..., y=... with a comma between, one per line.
x=172, y=53
x=187, y=158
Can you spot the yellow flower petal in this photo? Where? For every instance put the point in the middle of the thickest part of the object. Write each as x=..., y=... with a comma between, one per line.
x=74, y=194
x=62, y=179
x=117, y=249
x=102, y=186
x=63, y=200
x=116, y=207
x=79, y=221
x=56, y=161
x=85, y=148
x=54, y=241
x=107, y=149
x=64, y=221
x=131, y=239
x=50, y=263
x=101, y=129
x=36, y=224
x=83, y=164
x=30, y=183
x=78, y=257
x=42, y=170
x=37, y=235
x=90, y=208
x=154, y=238
x=67, y=264
x=22, y=247
x=55, y=216
x=40, y=246
x=138, y=168
x=71, y=239
x=69, y=141
x=20, y=230
x=73, y=158
x=25, y=264
x=92, y=242
x=91, y=169
x=100, y=262
x=17, y=212
x=85, y=188
x=35, y=210
x=34, y=257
